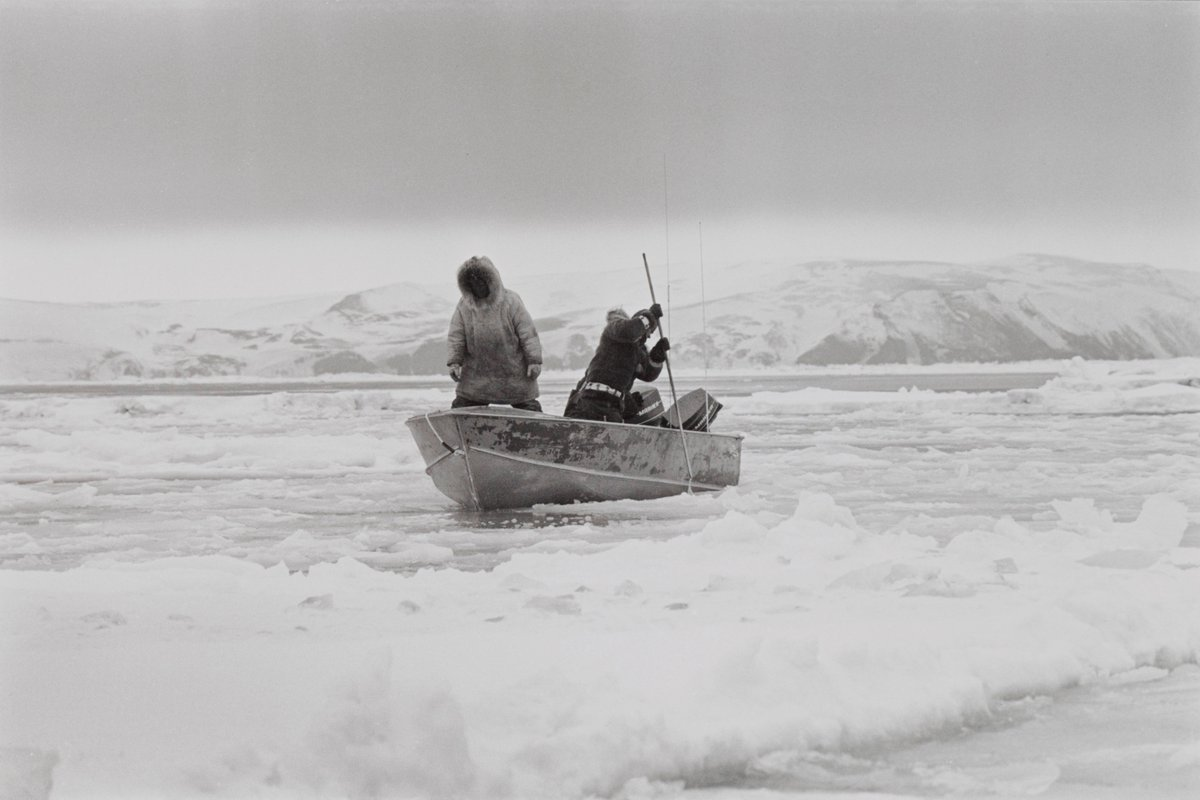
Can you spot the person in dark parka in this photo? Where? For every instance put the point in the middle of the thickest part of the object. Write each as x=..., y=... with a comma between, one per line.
x=494, y=353
x=620, y=358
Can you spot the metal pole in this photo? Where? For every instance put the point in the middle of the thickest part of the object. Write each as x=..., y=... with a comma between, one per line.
x=671, y=379
x=703, y=320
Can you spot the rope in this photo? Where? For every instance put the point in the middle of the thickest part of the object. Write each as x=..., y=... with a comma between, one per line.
x=436, y=435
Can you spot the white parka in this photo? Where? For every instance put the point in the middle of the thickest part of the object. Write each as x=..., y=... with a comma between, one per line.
x=494, y=340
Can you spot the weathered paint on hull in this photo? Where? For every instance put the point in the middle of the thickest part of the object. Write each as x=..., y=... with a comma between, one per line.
x=507, y=458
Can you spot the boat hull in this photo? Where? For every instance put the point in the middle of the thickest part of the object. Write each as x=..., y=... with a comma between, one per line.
x=486, y=458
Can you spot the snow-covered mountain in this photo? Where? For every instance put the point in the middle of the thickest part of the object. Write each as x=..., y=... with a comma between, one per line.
x=762, y=313
x=1023, y=308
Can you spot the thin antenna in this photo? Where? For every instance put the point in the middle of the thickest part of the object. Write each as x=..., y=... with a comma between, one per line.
x=703, y=307
x=667, y=234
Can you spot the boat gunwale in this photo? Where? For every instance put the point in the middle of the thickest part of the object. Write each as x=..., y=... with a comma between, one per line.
x=542, y=416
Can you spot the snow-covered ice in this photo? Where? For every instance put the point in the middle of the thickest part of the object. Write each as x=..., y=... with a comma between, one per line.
x=263, y=595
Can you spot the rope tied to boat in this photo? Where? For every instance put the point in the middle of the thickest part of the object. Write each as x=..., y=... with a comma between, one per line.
x=438, y=436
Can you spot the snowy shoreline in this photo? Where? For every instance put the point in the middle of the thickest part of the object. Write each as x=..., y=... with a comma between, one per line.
x=572, y=675
x=1161, y=369
x=1056, y=366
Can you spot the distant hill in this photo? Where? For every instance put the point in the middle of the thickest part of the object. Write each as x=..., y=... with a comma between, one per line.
x=756, y=314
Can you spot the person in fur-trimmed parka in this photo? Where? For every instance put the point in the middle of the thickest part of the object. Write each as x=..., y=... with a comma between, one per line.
x=495, y=355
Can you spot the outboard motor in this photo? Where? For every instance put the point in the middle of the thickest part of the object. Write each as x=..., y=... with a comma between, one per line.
x=645, y=407
x=697, y=409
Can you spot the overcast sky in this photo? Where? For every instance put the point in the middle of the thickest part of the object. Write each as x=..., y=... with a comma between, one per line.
x=154, y=149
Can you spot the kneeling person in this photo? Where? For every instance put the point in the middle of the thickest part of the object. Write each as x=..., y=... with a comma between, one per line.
x=620, y=359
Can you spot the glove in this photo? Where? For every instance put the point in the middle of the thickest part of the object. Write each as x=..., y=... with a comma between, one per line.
x=656, y=311
x=533, y=370
x=455, y=372
x=658, y=353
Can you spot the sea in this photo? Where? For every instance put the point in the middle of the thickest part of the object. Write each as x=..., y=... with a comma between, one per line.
x=938, y=492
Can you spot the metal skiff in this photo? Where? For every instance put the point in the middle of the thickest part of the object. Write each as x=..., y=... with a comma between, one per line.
x=489, y=457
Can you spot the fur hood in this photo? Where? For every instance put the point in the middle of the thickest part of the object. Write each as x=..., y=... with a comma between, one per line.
x=482, y=267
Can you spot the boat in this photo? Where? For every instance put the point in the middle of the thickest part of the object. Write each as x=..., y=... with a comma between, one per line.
x=488, y=457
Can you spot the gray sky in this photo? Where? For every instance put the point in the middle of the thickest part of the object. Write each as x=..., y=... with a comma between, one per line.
x=240, y=148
